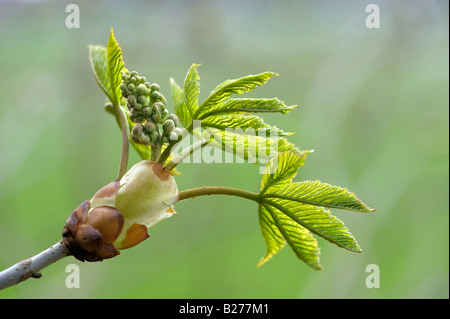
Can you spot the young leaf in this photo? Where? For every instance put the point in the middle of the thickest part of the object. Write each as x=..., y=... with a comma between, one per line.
x=282, y=169
x=245, y=144
x=192, y=89
x=115, y=67
x=272, y=236
x=318, y=220
x=180, y=107
x=301, y=241
x=319, y=194
x=248, y=105
x=99, y=65
x=302, y=204
x=107, y=64
x=229, y=87
x=243, y=122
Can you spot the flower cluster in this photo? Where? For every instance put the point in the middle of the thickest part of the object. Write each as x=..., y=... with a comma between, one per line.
x=148, y=110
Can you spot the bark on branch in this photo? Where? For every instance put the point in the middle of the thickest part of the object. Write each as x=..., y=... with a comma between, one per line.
x=29, y=268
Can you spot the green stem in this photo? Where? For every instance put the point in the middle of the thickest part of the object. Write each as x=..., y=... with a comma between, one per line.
x=178, y=159
x=165, y=155
x=155, y=151
x=217, y=190
x=123, y=167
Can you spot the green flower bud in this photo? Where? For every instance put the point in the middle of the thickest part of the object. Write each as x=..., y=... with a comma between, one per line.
x=147, y=85
x=164, y=114
x=135, y=139
x=168, y=126
x=155, y=96
x=132, y=88
x=153, y=136
x=142, y=90
x=126, y=76
x=131, y=99
x=147, y=112
x=138, y=107
x=143, y=100
x=133, y=80
x=150, y=127
x=144, y=139
x=139, y=119
x=165, y=140
x=137, y=130
x=133, y=73
x=174, y=118
x=156, y=115
x=154, y=87
x=178, y=130
x=175, y=134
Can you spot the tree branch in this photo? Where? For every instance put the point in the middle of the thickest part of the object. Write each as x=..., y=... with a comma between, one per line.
x=29, y=268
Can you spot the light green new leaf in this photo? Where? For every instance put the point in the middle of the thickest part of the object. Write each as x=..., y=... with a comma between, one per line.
x=318, y=220
x=245, y=144
x=282, y=169
x=107, y=64
x=272, y=236
x=319, y=194
x=247, y=105
x=301, y=241
x=192, y=89
x=180, y=107
x=99, y=65
x=229, y=87
x=115, y=67
x=243, y=122
x=302, y=204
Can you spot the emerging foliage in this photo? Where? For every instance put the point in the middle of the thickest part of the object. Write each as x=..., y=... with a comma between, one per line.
x=291, y=212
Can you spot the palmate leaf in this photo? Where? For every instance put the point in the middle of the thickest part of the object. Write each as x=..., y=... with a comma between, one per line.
x=229, y=87
x=320, y=194
x=180, y=107
x=319, y=221
x=278, y=228
x=107, y=65
x=247, y=105
x=243, y=122
x=304, y=204
x=246, y=145
x=282, y=169
x=192, y=89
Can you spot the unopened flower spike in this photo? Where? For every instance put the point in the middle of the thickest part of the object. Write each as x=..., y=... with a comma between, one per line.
x=153, y=123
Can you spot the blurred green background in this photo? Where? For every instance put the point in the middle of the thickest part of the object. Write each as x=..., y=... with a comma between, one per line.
x=373, y=106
